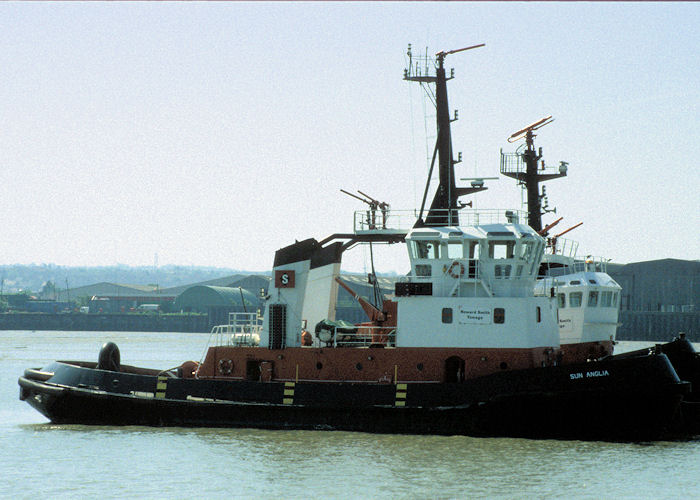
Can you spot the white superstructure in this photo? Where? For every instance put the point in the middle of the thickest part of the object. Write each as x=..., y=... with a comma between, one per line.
x=587, y=297
x=473, y=287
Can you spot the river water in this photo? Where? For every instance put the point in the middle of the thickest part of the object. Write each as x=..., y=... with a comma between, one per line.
x=41, y=460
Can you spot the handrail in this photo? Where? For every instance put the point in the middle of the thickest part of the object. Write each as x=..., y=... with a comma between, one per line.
x=561, y=246
x=243, y=328
x=591, y=263
x=403, y=220
x=361, y=336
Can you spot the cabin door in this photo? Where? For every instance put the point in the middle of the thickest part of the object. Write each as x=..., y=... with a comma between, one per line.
x=252, y=369
x=454, y=369
x=265, y=371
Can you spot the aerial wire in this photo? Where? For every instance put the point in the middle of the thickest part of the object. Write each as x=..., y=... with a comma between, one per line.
x=413, y=140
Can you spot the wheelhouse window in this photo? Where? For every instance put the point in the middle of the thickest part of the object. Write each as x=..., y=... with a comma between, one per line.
x=501, y=249
x=426, y=249
x=592, y=299
x=526, y=249
x=502, y=272
x=499, y=315
x=473, y=249
x=606, y=299
x=423, y=270
x=455, y=250
x=575, y=299
x=519, y=271
x=536, y=257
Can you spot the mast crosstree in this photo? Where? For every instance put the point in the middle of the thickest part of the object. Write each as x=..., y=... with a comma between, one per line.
x=444, y=209
x=525, y=166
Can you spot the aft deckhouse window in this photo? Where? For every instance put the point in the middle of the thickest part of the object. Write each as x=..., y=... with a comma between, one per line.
x=561, y=297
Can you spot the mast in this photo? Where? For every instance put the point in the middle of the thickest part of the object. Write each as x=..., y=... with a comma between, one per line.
x=445, y=205
x=525, y=166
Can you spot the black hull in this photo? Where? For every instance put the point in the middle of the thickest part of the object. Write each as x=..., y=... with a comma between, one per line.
x=686, y=363
x=631, y=399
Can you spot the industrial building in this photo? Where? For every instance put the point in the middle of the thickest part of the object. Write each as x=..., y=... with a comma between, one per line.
x=659, y=298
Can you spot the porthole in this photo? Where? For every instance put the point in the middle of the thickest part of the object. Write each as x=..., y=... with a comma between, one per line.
x=358, y=366
x=419, y=367
x=504, y=365
x=319, y=365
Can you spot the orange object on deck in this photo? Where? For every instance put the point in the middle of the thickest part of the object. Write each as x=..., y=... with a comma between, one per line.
x=306, y=338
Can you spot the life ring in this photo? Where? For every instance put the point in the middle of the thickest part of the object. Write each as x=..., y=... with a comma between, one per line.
x=225, y=366
x=456, y=269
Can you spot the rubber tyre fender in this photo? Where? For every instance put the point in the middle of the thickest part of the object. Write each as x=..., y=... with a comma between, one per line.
x=109, y=357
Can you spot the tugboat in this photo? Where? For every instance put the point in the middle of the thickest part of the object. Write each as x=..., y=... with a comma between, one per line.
x=464, y=346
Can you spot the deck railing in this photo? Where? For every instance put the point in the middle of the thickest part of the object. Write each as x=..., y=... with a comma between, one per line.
x=243, y=328
x=403, y=220
x=360, y=336
x=592, y=263
x=562, y=246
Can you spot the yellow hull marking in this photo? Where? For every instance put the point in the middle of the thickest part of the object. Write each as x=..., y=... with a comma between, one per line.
x=161, y=386
x=288, y=391
x=401, y=390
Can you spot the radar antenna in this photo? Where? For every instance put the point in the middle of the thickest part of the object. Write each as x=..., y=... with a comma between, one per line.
x=526, y=168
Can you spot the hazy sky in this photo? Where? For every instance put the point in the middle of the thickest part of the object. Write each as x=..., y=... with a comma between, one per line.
x=214, y=133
